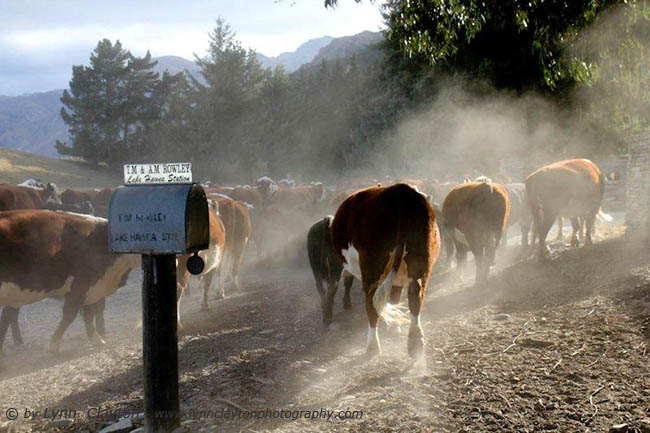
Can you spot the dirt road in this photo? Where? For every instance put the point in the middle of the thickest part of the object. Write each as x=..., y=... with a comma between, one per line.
x=559, y=345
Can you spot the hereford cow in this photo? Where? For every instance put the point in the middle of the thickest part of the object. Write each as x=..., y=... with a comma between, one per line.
x=267, y=187
x=247, y=194
x=45, y=253
x=237, y=225
x=477, y=213
x=99, y=198
x=212, y=258
x=327, y=267
x=299, y=196
x=519, y=210
x=387, y=237
x=33, y=183
x=27, y=197
x=572, y=188
x=31, y=194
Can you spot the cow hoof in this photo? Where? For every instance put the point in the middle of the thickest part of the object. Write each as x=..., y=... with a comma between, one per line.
x=205, y=308
x=98, y=341
x=333, y=326
x=373, y=350
x=415, y=346
x=347, y=305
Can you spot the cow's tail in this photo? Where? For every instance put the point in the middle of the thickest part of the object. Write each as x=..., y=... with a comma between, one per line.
x=604, y=217
x=392, y=314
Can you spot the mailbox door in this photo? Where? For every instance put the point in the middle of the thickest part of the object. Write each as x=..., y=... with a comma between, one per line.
x=158, y=219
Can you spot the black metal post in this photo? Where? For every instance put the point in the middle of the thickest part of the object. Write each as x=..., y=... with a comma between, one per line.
x=160, y=343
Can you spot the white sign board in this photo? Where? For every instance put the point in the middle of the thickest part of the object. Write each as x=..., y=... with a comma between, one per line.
x=145, y=174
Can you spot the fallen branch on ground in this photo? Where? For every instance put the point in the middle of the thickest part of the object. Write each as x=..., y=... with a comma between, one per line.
x=554, y=366
x=591, y=402
x=230, y=403
x=514, y=341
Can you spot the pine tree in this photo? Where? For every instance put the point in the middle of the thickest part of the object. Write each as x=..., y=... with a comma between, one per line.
x=113, y=104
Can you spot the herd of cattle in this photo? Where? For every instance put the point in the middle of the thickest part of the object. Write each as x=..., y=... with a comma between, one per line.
x=388, y=237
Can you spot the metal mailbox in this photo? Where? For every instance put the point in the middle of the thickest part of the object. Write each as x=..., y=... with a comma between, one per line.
x=158, y=219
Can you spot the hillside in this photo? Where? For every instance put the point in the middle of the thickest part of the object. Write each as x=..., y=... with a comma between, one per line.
x=291, y=61
x=362, y=46
x=16, y=166
x=32, y=123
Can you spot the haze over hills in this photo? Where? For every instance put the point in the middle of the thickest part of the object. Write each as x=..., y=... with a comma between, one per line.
x=32, y=123
x=305, y=53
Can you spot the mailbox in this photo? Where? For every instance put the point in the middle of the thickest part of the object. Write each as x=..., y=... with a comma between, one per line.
x=158, y=219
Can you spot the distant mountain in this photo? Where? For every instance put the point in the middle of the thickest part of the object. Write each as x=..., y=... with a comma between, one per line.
x=175, y=64
x=32, y=123
x=363, y=46
x=305, y=53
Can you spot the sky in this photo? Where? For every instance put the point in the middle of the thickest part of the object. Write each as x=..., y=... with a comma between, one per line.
x=40, y=40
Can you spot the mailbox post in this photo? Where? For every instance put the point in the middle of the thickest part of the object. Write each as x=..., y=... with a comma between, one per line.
x=159, y=221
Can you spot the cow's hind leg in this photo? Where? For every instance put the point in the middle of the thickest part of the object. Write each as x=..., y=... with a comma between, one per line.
x=372, y=344
x=12, y=319
x=4, y=326
x=543, y=228
x=575, y=225
x=560, y=226
x=328, y=301
x=88, y=316
x=416, y=337
x=589, y=221
x=71, y=308
x=524, y=225
x=482, y=265
x=98, y=309
x=461, y=257
x=207, y=284
x=347, y=284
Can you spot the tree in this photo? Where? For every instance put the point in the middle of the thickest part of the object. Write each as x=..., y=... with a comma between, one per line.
x=520, y=45
x=225, y=100
x=112, y=105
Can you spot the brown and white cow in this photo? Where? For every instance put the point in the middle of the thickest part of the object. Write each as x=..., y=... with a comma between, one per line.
x=44, y=196
x=212, y=258
x=99, y=198
x=477, y=213
x=247, y=194
x=45, y=253
x=298, y=196
x=27, y=197
x=237, y=225
x=571, y=188
x=387, y=237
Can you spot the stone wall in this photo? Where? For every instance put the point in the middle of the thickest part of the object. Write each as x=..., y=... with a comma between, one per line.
x=637, y=218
